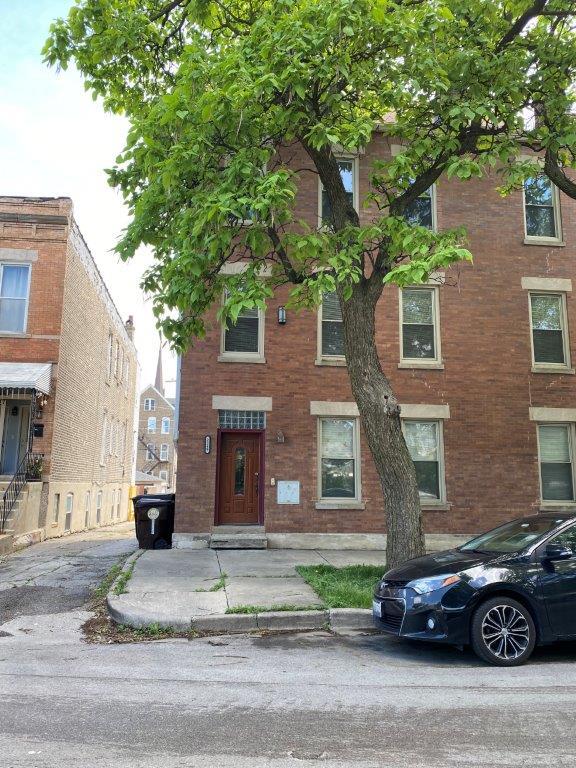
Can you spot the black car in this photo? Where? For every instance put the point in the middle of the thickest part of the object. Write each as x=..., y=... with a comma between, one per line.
x=502, y=593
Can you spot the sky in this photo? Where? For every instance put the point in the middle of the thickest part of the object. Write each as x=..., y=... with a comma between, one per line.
x=55, y=141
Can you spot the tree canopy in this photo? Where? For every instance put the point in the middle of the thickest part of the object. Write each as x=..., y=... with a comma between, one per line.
x=217, y=92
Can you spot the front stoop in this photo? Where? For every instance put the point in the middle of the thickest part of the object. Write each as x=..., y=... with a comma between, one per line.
x=238, y=537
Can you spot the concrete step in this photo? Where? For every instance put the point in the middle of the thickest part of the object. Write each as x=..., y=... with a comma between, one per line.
x=238, y=537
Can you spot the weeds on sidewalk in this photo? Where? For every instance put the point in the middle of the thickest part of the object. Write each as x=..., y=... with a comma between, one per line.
x=220, y=584
x=349, y=587
x=267, y=609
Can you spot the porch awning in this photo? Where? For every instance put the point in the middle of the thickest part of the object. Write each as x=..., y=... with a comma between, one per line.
x=26, y=376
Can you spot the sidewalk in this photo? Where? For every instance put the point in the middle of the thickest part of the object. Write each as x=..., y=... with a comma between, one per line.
x=195, y=589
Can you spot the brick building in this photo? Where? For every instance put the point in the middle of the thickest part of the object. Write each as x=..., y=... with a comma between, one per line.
x=156, y=450
x=67, y=377
x=481, y=360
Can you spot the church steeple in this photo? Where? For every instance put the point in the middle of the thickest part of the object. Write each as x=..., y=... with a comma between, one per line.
x=159, y=383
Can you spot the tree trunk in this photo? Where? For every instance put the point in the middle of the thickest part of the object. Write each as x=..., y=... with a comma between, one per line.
x=380, y=415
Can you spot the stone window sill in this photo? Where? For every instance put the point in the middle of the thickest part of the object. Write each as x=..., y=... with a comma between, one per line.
x=441, y=506
x=335, y=362
x=433, y=365
x=552, y=369
x=550, y=507
x=343, y=505
x=10, y=335
x=240, y=359
x=544, y=241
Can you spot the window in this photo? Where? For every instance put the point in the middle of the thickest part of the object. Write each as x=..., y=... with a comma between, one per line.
x=163, y=474
x=566, y=539
x=112, y=440
x=164, y=452
x=331, y=333
x=149, y=404
x=121, y=366
x=14, y=289
x=110, y=354
x=150, y=451
x=549, y=336
x=56, y=507
x=105, y=439
x=118, y=502
x=87, y=510
x=241, y=419
x=421, y=212
x=113, y=503
x=541, y=209
x=116, y=358
x=347, y=174
x=126, y=374
x=99, y=508
x=555, y=442
x=69, y=510
x=424, y=441
x=244, y=338
x=339, y=476
x=151, y=424
x=420, y=338
x=165, y=425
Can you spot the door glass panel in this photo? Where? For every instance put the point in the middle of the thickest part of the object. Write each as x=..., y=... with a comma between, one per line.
x=239, y=471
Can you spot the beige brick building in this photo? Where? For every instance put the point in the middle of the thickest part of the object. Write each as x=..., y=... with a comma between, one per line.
x=67, y=377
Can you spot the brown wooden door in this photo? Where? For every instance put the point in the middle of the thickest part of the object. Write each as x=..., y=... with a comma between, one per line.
x=239, y=478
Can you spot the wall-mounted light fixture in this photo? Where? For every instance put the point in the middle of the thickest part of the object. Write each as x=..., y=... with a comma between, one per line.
x=281, y=315
x=280, y=437
x=207, y=444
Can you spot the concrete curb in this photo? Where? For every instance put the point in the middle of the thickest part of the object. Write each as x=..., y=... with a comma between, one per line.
x=351, y=618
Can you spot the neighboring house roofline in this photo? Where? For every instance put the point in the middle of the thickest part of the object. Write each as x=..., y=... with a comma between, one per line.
x=160, y=395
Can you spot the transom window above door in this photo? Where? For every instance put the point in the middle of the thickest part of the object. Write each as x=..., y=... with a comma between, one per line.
x=14, y=294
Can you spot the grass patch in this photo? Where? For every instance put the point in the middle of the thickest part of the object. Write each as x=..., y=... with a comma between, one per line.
x=220, y=584
x=267, y=609
x=103, y=588
x=123, y=579
x=349, y=587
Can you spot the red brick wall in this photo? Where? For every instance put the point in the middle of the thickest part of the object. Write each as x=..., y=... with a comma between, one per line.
x=489, y=442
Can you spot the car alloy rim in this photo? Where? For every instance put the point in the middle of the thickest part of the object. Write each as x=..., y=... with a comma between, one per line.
x=505, y=632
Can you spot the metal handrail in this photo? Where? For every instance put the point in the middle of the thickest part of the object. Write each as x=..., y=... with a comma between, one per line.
x=19, y=480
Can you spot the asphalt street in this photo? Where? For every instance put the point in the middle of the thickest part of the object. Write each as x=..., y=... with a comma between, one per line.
x=283, y=701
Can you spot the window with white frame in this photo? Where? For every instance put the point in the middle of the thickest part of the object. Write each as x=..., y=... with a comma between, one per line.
x=245, y=337
x=541, y=209
x=110, y=354
x=151, y=424
x=14, y=292
x=424, y=441
x=118, y=502
x=347, y=168
x=331, y=330
x=149, y=404
x=166, y=425
x=420, y=337
x=112, y=503
x=99, y=508
x=150, y=451
x=164, y=452
x=163, y=475
x=420, y=212
x=56, y=507
x=339, y=477
x=556, y=450
x=549, y=330
x=105, y=438
x=87, y=500
x=69, y=511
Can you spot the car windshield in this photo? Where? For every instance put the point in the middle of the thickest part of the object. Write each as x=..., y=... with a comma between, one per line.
x=512, y=537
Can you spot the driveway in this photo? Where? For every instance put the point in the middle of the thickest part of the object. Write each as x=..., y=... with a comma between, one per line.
x=58, y=575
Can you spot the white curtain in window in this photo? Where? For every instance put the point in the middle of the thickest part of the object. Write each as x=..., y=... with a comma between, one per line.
x=337, y=438
x=13, y=297
x=554, y=443
x=422, y=440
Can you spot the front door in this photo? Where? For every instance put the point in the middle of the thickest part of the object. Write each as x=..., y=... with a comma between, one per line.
x=239, y=479
x=14, y=437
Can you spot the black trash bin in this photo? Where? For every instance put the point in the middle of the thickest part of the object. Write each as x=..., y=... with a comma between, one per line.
x=154, y=518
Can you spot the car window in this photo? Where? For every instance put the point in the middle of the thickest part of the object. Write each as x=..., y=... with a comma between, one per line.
x=566, y=539
x=512, y=537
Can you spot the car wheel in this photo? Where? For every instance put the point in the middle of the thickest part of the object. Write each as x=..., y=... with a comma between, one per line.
x=503, y=632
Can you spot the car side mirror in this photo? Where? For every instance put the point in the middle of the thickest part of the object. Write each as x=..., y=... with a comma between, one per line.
x=557, y=552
